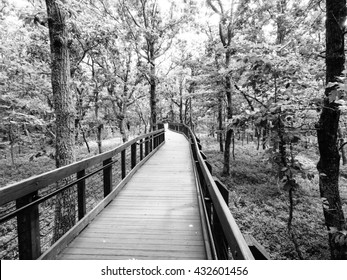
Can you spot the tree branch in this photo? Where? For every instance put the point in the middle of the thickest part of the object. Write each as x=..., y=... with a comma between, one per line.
x=209, y=2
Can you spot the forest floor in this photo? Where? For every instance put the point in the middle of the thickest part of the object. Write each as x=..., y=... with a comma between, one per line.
x=24, y=168
x=261, y=207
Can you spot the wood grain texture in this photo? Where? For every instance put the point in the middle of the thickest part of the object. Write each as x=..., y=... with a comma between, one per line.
x=155, y=216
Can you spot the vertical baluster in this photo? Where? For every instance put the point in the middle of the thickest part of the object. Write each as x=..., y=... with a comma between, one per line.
x=133, y=155
x=28, y=226
x=155, y=141
x=221, y=242
x=146, y=146
x=123, y=163
x=81, y=194
x=141, y=149
x=107, y=177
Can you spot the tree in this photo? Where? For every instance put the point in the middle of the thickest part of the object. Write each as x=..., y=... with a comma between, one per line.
x=229, y=22
x=327, y=130
x=122, y=86
x=63, y=107
x=152, y=35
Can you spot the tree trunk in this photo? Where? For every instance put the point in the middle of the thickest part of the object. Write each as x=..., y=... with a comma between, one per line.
x=122, y=128
x=220, y=123
x=98, y=124
x=226, y=168
x=65, y=216
x=181, y=101
x=99, y=138
x=327, y=131
x=153, y=94
x=11, y=138
x=84, y=137
x=343, y=152
x=264, y=134
x=280, y=22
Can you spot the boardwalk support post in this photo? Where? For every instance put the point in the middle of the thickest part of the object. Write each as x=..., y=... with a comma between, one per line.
x=123, y=164
x=107, y=176
x=133, y=155
x=28, y=225
x=220, y=240
x=146, y=146
x=81, y=194
x=141, y=149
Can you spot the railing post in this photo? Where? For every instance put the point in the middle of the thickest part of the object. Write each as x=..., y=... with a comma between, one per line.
x=155, y=141
x=141, y=149
x=107, y=177
x=209, y=166
x=81, y=194
x=219, y=238
x=133, y=155
x=146, y=145
x=222, y=189
x=123, y=163
x=28, y=226
x=192, y=146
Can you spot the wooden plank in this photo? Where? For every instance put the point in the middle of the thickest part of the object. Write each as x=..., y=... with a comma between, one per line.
x=174, y=233
x=153, y=254
x=126, y=257
x=185, y=227
x=149, y=204
x=150, y=239
x=154, y=213
x=150, y=215
x=116, y=245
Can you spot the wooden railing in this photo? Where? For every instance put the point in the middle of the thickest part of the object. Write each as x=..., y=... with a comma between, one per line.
x=27, y=208
x=226, y=239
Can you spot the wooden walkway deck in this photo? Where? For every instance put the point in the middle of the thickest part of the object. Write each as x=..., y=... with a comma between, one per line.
x=155, y=216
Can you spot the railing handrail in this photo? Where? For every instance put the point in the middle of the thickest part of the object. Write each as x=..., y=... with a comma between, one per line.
x=19, y=189
x=235, y=239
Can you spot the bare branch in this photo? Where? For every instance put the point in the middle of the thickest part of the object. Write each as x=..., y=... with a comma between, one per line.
x=132, y=17
x=143, y=3
x=213, y=7
x=221, y=35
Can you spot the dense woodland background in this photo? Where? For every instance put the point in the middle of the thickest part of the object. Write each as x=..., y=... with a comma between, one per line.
x=251, y=77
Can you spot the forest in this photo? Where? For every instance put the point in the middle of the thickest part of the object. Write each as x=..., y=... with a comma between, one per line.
x=261, y=82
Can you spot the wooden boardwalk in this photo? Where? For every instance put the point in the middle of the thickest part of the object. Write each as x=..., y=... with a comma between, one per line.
x=155, y=216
